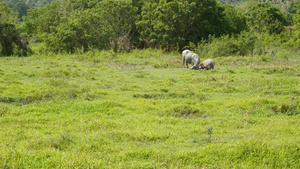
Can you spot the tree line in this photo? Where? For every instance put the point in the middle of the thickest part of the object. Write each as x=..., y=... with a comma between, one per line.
x=170, y=25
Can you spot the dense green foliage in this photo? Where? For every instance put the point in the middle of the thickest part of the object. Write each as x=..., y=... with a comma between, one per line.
x=171, y=25
x=178, y=22
x=66, y=26
x=236, y=21
x=266, y=18
x=286, y=5
x=29, y=3
x=20, y=8
x=79, y=25
x=10, y=39
x=8, y=35
x=142, y=110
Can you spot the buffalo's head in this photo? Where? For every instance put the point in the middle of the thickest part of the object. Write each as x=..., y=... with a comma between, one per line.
x=201, y=66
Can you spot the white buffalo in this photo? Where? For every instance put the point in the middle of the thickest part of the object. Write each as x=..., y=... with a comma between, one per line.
x=207, y=64
x=189, y=57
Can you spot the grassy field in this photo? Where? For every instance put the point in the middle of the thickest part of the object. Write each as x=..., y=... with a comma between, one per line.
x=142, y=110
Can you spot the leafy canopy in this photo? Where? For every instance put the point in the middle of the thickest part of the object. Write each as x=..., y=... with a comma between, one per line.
x=264, y=17
x=70, y=25
x=175, y=23
x=10, y=39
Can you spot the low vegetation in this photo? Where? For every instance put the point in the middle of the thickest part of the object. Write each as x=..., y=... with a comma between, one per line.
x=143, y=110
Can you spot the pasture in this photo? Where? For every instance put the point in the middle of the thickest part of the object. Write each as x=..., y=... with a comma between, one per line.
x=143, y=110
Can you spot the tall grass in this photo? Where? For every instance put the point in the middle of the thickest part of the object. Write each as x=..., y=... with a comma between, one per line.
x=142, y=110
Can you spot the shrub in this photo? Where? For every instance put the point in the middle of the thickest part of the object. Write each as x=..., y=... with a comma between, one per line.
x=226, y=45
x=264, y=17
x=11, y=42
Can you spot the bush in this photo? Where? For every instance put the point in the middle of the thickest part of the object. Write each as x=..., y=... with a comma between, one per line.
x=69, y=26
x=173, y=24
x=264, y=17
x=11, y=42
x=226, y=45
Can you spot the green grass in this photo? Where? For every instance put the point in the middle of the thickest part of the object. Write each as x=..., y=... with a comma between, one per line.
x=142, y=110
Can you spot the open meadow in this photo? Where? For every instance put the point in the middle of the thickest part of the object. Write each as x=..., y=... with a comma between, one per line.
x=143, y=110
